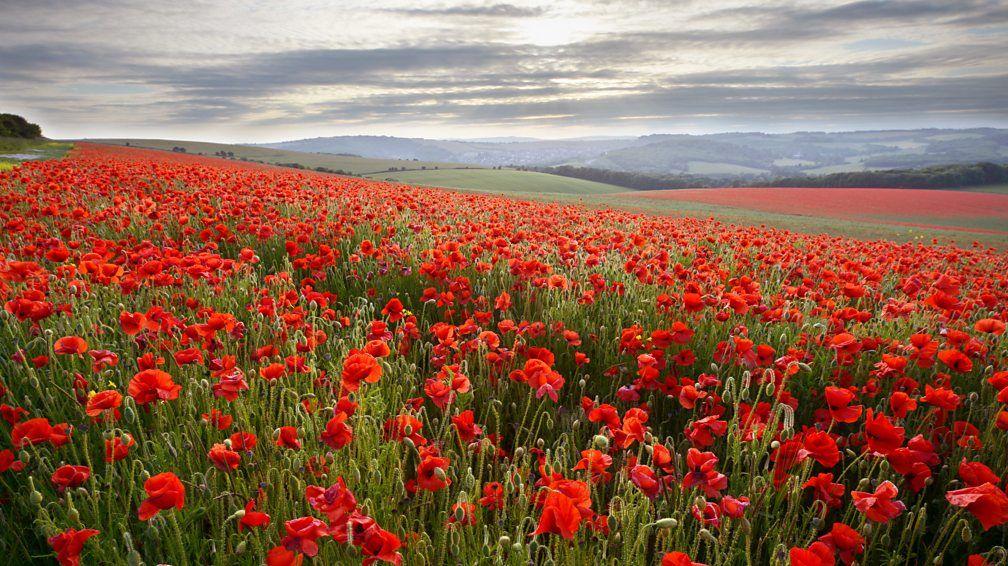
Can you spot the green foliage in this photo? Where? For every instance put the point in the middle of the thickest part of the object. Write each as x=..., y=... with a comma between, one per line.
x=14, y=126
x=940, y=177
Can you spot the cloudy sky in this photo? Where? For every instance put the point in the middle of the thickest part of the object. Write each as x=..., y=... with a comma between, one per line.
x=239, y=71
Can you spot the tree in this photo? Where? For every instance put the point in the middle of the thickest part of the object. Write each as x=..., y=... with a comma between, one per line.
x=14, y=126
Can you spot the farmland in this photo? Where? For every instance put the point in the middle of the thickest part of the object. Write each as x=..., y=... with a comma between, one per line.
x=216, y=362
x=503, y=181
x=963, y=211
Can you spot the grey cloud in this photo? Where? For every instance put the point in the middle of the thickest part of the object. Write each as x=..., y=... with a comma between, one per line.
x=492, y=10
x=596, y=80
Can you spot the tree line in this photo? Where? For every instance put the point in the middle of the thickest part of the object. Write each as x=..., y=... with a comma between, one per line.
x=14, y=126
x=936, y=177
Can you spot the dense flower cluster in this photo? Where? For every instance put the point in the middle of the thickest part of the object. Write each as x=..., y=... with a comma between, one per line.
x=211, y=362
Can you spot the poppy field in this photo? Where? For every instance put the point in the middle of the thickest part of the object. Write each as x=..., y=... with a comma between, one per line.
x=212, y=362
x=950, y=210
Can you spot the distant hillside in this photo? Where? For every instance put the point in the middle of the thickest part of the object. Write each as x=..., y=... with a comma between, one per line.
x=750, y=156
x=345, y=163
x=974, y=175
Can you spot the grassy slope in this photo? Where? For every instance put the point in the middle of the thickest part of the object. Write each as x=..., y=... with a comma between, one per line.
x=353, y=165
x=507, y=181
x=999, y=189
x=44, y=148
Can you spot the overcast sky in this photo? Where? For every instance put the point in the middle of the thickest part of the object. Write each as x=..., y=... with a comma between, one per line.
x=239, y=71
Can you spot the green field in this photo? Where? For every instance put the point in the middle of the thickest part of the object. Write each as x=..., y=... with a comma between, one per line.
x=339, y=163
x=999, y=189
x=16, y=150
x=504, y=181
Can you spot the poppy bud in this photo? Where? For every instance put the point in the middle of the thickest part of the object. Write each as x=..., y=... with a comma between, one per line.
x=601, y=443
x=708, y=536
x=666, y=523
x=966, y=532
x=240, y=549
x=519, y=452
x=35, y=497
x=440, y=474
x=133, y=559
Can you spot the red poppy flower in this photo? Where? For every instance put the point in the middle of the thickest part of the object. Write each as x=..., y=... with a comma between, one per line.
x=104, y=403
x=337, y=433
x=844, y=540
x=358, y=367
x=253, y=519
x=288, y=438
x=118, y=448
x=817, y=554
x=164, y=491
x=883, y=437
x=69, y=544
x=678, y=559
x=493, y=496
x=38, y=431
x=987, y=502
x=223, y=458
x=432, y=470
x=879, y=506
x=153, y=385
x=71, y=345
x=9, y=462
x=68, y=476
x=596, y=464
x=303, y=534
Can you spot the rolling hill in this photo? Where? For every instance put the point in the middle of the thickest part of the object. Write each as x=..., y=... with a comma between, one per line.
x=727, y=155
x=349, y=164
x=432, y=173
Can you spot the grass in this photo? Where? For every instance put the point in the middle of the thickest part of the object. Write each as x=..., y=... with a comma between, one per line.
x=1001, y=189
x=504, y=181
x=43, y=148
x=337, y=163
